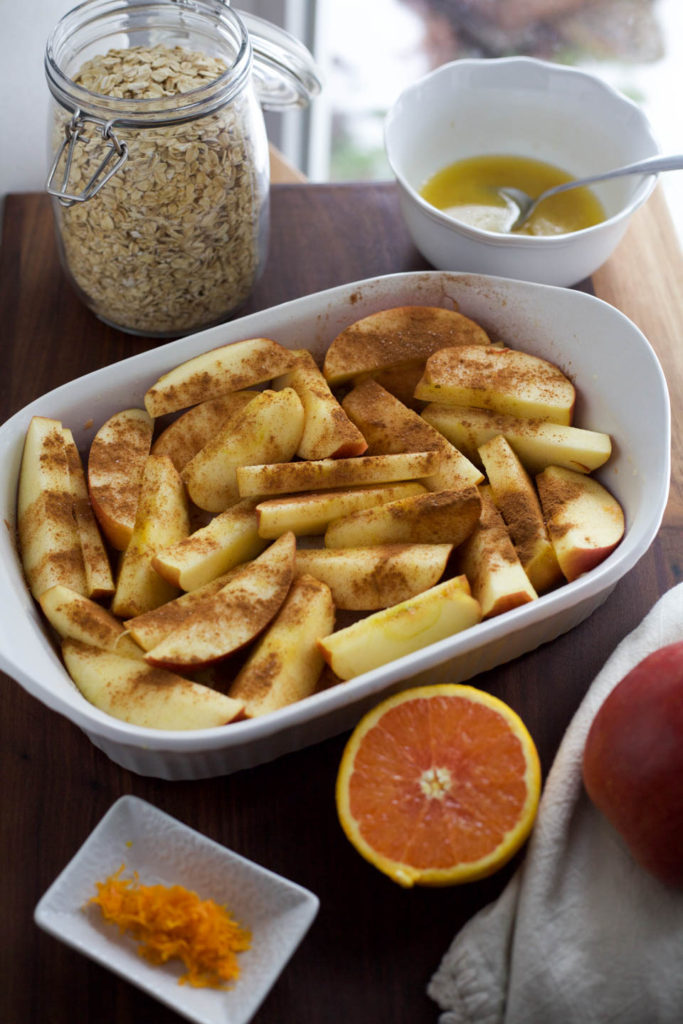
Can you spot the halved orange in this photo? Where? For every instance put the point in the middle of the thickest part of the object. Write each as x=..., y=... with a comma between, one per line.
x=439, y=785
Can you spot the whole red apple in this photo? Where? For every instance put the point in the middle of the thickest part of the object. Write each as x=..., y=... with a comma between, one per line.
x=633, y=762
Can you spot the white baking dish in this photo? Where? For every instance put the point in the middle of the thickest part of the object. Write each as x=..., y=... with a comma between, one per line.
x=621, y=391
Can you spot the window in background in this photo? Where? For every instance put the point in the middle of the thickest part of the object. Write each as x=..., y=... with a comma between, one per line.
x=369, y=50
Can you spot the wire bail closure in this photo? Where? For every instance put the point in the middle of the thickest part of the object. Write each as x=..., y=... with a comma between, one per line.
x=75, y=132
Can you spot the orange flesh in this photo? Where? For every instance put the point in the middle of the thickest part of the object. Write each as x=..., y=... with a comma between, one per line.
x=457, y=783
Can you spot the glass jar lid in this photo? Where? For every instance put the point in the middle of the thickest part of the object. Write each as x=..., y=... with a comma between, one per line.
x=284, y=70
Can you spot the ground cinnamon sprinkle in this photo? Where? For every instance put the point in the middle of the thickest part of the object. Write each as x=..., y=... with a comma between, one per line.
x=172, y=922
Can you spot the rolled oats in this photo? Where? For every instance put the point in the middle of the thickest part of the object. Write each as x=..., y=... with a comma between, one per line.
x=172, y=241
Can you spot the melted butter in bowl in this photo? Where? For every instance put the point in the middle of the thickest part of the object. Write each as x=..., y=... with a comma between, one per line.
x=467, y=190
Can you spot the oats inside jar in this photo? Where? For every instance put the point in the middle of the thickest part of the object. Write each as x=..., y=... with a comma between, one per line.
x=172, y=241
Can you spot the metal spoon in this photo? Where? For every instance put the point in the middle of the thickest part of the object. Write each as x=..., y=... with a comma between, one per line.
x=527, y=205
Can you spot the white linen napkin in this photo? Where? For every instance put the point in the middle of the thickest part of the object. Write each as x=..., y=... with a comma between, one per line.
x=581, y=934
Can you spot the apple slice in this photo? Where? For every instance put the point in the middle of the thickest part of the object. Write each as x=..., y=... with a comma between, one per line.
x=410, y=626
x=230, y=538
x=162, y=519
x=183, y=438
x=150, y=628
x=538, y=443
x=397, y=335
x=78, y=618
x=328, y=432
x=585, y=521
x=442, y=517
x=142, y=695
x=116, y=461
x=309, y=514
x=516, y=499
x=98, y=574
x=399, y=380
x=390, y=427
x=267, y=430
x=367, y=579
x=489, y=560
x=233, y=616
x=320, y=474
x=49, y=541
x=286, y=663
x=502, y=379
x=212, y=374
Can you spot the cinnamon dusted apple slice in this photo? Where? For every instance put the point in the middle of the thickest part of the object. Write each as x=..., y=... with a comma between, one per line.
x=78, y=618
x=116, y=461
x=98, y=574
x=538, y=443
x=150, y=628
x=585, y=521
x=516, y=499
x=370, y=578
x=398, y=335
x=490, y=562
x=323, y=474
x=309, y=514
x=212, y=374
x=230, y=538
x=142, y=695
x=328, y=432
x=183, y=438
x=437, y=613
x=267, y=430
x=286, y=662
x=49, y=541
x=442, y=517
x=235, y=615
x=505, y=380
x=390, y=427
x=162, y=519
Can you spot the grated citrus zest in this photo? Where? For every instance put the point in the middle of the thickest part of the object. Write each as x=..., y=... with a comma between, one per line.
x=174, y=922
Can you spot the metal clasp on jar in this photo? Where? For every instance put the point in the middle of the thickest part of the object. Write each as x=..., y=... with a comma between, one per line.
x=75, y=133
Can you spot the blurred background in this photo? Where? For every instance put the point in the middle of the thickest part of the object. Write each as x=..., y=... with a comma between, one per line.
x=368, y=51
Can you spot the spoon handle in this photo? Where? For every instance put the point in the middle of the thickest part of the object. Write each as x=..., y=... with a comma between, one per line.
x=653, y=165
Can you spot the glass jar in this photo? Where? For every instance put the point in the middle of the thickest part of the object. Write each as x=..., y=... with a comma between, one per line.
x=159, y=157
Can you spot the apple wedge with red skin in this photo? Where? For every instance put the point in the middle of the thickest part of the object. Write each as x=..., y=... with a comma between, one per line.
x=504, y=380
x=390, y=427
x=328, y=432
x=75, y=617
x=633, y=762
x=585, y=522
x=187, y=435
x=49, y=541
x=116, y=462
x=234, y=616
x=489, y=561
x=397, y=335
x=98, y=575
x=209, y=375
x=286, y=663
x=143, y=695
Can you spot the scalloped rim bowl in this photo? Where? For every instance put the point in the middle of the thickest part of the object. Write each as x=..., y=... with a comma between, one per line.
x=621, y=390
x=523, y=106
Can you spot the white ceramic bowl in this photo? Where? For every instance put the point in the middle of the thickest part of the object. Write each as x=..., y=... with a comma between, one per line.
x=522, y=107
x=163, y=851
x=621, y=390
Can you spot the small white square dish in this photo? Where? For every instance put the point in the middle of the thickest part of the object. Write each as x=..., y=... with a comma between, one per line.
x=162, y=850
x=621, y=391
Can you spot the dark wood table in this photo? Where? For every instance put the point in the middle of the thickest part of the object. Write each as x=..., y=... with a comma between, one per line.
x=371, y=950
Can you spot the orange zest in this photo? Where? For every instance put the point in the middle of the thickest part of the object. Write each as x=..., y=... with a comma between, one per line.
x=438, y=785
x=174, y=922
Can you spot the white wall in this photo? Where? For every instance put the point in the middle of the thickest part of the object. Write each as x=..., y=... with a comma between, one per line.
x=24, y=103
